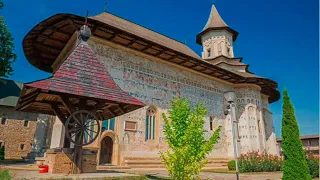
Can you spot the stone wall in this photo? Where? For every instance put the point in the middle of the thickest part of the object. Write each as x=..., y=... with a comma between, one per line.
x=24, y=140
x=14, y=134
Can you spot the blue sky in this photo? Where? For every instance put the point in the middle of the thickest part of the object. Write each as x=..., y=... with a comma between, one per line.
x=279, y=39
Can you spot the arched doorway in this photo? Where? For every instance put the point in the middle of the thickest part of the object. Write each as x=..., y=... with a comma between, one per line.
x=106, y=149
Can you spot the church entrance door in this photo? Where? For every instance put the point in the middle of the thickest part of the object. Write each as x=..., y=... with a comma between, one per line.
x=106, y=149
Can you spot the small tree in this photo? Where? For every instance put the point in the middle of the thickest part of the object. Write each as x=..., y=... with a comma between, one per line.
x=185, y=136
x=295, y=165
x=7, y=55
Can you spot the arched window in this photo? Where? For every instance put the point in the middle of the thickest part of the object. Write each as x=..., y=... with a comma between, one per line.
x=90, y=133
x=150, y=123
x=108, y=124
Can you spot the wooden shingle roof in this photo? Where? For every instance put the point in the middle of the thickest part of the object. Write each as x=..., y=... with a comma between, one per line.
x=215, y=22
x=81, y=76
x=43, y=44
x=143, y=32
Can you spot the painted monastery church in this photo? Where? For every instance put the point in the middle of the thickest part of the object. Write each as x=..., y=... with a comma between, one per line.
x=154, y=69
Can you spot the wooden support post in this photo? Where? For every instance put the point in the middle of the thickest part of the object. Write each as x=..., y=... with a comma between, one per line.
x=66, y=102
x=77, y=156
x=61, y=116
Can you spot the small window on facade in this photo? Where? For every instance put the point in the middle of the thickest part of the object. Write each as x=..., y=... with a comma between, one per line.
x=26, y=123
x=108, y=124
x=259, y=127
x=130, y=125
x=209, y=52
x=228, y=51
x=150, y=123
x=211, y=123
x=21, y=146
x=3, y=120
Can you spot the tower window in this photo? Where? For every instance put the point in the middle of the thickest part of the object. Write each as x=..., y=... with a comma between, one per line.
x=26, y=123
x=3, y=120
x=21, y=147
x=209, y=52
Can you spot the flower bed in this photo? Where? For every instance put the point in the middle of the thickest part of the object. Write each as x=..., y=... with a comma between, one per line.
x=255, y=162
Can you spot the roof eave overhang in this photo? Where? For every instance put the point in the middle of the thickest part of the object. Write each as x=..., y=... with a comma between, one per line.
x=74, y=22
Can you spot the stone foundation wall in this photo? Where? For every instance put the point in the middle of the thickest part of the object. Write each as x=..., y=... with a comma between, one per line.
x=60, y=160
x=14, y=134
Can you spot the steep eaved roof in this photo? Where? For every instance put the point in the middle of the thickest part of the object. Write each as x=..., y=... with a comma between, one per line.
x=143, y=32
x=9, y=92
x=81, y=81
x=215, y=19
x=83, y=74
x=215, y=22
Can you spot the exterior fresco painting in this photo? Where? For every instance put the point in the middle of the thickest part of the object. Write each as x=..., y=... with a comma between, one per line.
x=157, y=84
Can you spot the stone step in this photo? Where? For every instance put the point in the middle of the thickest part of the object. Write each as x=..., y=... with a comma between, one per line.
x=216, y=165
x=223, y=167
x=143, y=161
x=163, y=167
x=110, y=167
x=147, y=166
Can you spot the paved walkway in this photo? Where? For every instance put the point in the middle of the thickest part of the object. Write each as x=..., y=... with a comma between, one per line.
x=19, y=173
x=34, y=175
x=216, y=176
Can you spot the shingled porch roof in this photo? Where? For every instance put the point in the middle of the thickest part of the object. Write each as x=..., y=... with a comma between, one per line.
x=81, y=80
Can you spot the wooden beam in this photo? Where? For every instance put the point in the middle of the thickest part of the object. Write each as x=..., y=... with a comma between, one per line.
x=25, y=106
x=28, y=102
x=145, y=48
x=99, y=105
x=30, y=95
x=195, y=65
x=82, y=103
x=131, y=42
x=52, y=38
x=72, y=24
x=58, y=30
x=113, y=36
x=172, y=57
x=48, y=46
x=161, y=52
x=109, y=111
x=182, y=62
x=58, y=113
x=121, y=109
x=67, y=103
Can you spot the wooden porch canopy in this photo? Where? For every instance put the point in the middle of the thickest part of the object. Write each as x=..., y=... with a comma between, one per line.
x=43, y=44
x=81, y=82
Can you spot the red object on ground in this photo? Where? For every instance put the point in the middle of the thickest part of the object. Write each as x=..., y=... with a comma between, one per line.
x=43, y=168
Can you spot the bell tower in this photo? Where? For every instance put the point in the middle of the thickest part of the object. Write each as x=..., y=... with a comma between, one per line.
x=216, y=37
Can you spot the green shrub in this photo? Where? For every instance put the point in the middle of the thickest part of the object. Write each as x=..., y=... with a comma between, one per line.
x=5, y=175
x=185, y=136
x=313, y=164
x=255, y=162
x=232, y=165
x=295, y=165
x=2, y=153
